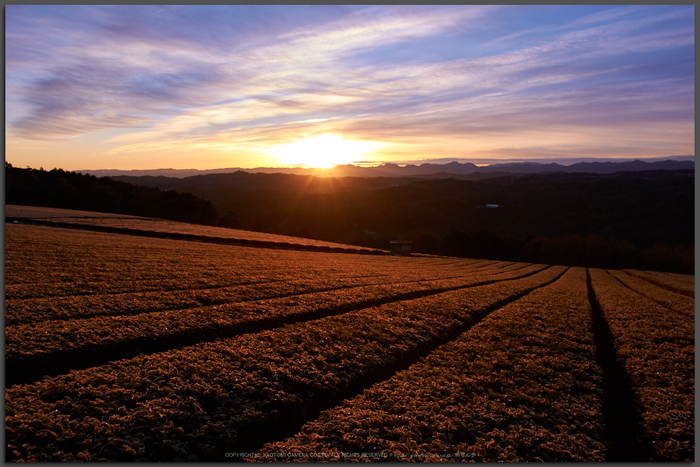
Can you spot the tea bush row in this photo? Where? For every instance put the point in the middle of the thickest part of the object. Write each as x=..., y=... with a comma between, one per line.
x=674, y=301
x=657, y=349
x=680, y=283
x=202, y=401
x=50, y=262
x=522, y=385
x=32, y=310
x=47, y=340
x=159, y=296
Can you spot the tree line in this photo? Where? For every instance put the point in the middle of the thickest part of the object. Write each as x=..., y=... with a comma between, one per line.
x=593, y=250
x=639, y=220
x=61, y=189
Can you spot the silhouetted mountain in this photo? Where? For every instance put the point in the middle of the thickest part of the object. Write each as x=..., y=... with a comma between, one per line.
x=422, y=170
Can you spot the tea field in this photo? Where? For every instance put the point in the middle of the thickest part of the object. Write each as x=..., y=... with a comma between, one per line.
x=122, y=346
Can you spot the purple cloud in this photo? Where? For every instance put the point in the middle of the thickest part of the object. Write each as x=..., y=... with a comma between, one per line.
x=377, y=72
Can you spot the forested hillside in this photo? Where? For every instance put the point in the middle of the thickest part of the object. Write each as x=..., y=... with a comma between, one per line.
x=626, y=219
x=623, y=220
x=62, y=189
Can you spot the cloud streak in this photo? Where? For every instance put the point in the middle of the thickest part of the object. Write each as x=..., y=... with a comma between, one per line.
x=445, y=81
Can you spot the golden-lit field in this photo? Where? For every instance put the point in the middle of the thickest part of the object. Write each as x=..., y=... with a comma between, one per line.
x=135, y=224
x=124, y=347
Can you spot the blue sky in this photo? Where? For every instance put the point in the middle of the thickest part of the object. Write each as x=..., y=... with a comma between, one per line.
x=145, y=87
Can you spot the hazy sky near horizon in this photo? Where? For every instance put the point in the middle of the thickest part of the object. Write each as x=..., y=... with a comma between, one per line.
x=145, y=87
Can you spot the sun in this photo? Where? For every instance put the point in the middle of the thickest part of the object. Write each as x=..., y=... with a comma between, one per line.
x=322, y=152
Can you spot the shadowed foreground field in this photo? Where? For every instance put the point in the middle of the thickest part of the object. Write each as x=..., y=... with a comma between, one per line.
x=163, y=349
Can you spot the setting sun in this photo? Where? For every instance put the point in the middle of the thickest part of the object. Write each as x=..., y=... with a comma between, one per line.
x=322, y=152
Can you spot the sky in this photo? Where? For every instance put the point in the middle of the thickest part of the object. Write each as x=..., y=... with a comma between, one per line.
x=146, y=87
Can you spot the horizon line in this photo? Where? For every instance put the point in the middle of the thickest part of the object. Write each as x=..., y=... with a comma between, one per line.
x=418, y=163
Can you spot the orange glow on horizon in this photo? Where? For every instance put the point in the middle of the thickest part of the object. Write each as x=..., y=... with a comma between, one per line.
x=322, y=152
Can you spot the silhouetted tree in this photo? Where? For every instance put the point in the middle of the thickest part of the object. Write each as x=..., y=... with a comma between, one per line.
x=61, y=189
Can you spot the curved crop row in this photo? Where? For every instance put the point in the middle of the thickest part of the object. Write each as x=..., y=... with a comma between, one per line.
x=166, y=226
x=672, y=300
x=87, y=306
x=200, y=402
x=150, y=224
x=43, y=212
x=680, y=283
x=521, y=385
x=160, y=297
x=135, y=268
x=46, y=344
x=51, y=262
x=657, y=349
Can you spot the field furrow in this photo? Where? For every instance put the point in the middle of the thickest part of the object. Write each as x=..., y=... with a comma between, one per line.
x=72, y=307
x=54, y=347
x=679, y=283
x=34, y=310
x=44, y=262
x=177, y=346
x=231, y=395
x=671, y=300
x=93, y=219
x=657, y=350
x=50, y=263
x=523, y=385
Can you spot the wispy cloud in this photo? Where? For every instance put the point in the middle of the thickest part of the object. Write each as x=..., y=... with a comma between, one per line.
x=227, y=78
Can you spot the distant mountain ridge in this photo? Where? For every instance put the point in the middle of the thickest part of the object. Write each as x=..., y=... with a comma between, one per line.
x=422, y=170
